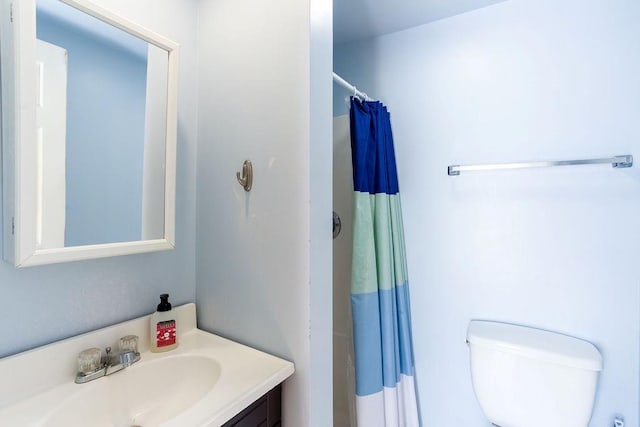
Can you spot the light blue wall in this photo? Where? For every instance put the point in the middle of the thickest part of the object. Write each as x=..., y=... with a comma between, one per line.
x=44, y=304
x=106, y=96
x=553, y=248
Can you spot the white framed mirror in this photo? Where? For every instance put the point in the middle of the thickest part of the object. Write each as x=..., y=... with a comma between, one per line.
x=89, y=126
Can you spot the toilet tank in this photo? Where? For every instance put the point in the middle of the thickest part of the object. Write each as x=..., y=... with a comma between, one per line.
x=526, y=377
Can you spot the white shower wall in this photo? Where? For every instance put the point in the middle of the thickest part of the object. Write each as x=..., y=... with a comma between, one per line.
x=343, y=370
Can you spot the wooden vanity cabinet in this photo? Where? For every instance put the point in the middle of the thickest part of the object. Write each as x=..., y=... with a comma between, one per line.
x=264, y=412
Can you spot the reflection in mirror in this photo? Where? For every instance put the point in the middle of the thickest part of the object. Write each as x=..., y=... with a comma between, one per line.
x=101, y=121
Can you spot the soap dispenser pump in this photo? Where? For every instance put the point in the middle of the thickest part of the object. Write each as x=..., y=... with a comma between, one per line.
x=163, y=334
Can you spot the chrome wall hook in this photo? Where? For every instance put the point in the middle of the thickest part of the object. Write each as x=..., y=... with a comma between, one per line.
x=246, y=177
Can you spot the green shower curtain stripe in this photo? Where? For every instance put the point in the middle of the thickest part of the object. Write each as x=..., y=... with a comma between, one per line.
x=364, y=278
x=400, y=255
x=387, y=226
x=382, y=229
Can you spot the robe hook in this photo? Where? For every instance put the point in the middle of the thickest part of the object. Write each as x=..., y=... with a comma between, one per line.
x=246, y=177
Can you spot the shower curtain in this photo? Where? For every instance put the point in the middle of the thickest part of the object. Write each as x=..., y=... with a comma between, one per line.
x=385, y=389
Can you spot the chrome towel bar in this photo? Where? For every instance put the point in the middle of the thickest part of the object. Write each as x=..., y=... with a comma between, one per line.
x=625, y=161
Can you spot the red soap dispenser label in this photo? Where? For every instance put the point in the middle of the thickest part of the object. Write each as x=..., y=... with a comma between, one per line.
x=166, y=333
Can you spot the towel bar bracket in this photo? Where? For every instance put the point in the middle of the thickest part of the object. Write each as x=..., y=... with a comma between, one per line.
x=624, y=162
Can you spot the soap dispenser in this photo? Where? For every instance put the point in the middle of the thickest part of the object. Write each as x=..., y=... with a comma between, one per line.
x=163, y=334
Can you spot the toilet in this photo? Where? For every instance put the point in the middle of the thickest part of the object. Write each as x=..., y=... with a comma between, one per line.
x=526, y=377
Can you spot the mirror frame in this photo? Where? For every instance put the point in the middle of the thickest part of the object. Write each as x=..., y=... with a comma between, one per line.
x=17, y=38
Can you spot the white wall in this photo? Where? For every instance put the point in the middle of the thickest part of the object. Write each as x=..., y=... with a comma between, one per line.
x=256, y=282
x=48, y=303
x=553, y=248
x=320, y=171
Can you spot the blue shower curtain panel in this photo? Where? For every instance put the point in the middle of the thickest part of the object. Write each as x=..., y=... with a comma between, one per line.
x=385, y=388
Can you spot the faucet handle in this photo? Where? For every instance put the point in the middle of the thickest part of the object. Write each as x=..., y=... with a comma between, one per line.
x=129, y=343
x=89, y=360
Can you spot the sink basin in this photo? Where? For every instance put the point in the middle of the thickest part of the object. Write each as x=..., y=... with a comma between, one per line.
x=145, y=394
x=203, y=383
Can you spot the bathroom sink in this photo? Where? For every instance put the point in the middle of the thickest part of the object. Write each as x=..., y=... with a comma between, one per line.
x=145, y=394
x=205, y=382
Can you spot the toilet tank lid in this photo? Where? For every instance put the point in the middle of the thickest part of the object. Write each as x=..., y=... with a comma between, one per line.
x=535, y=344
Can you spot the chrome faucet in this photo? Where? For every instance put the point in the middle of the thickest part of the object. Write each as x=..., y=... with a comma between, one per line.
x=92, y=364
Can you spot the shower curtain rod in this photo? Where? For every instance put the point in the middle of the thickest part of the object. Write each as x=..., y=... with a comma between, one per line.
x=351, y=88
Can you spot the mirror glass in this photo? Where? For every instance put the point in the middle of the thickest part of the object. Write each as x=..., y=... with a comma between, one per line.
x=101, y=131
